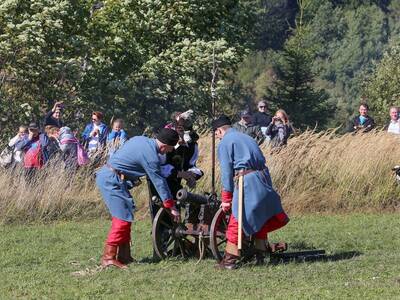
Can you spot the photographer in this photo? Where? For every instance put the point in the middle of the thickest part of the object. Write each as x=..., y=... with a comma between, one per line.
x=279, y=129
x=53, y=117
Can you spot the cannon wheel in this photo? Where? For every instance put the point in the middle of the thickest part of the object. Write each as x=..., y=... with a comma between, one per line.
x=166, y=243
x=218, y=228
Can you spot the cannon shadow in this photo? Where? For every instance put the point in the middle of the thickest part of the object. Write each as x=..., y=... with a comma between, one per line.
x=301, y=252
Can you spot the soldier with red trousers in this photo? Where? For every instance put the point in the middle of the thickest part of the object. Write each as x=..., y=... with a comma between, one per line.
x=136, y=158
x=239, y=155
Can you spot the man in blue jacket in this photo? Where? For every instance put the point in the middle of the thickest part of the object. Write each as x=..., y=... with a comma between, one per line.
x=239, y=155
x=136, y=158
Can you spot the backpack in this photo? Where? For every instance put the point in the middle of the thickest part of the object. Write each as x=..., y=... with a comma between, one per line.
x=82, y=157
x=7, y=157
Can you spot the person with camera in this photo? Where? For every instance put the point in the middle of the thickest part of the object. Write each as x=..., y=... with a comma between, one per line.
x=53, y=117
x=95, y=134
x=279, y=129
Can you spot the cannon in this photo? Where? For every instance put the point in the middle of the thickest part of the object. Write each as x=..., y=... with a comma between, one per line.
x=200, y=233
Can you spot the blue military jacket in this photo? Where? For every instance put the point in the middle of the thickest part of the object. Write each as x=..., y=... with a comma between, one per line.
x=238, y=151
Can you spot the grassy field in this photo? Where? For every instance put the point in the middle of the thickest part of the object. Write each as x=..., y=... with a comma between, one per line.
x=60, y=261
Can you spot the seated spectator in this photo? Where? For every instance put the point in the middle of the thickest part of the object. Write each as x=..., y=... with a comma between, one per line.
x=53, y=117
x=245, y=125
x=95, y=134
x=363, y=122
x=262, y=118
x=117, y=137
x=35, y=150
x=69, y=148
x=279, y=129
x=394, y=124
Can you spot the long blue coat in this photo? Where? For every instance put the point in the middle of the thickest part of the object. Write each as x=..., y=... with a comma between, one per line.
x=136, y=158
x=238, y=151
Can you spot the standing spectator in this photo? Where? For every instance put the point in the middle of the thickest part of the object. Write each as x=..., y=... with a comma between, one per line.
x=363, y=122
x=53, y=117
x=20, y=137
x=245, y=125
x=35, y=150
x=95, y=134
x=53, y=148
x=262, y=118
x=394, y=124
x=10, y=156
x=117, y=137
x=69, y=148
x=279, y=129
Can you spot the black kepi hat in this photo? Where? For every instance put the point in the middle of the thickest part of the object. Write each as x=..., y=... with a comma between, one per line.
x=220, y=121
x=168, y=136
x=33, y=126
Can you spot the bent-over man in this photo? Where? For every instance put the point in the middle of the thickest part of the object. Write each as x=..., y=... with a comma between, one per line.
x=239, y=154
x=136, y=158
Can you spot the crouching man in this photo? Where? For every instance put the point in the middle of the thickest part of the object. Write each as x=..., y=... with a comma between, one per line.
x=239, y=155
x=136, y=158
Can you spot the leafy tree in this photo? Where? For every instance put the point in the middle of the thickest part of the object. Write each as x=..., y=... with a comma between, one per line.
x=382, y=88
x=137, y=59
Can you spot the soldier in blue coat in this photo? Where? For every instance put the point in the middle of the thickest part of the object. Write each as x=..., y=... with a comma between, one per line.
x=239, y=155
x=136, y=158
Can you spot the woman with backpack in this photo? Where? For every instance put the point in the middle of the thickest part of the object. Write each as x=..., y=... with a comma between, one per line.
x=73, y=153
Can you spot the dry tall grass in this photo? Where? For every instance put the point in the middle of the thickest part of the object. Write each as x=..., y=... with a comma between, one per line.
x=326, y=172
x=316, y=172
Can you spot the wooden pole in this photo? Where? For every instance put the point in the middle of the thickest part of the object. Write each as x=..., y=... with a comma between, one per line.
x=240, y=213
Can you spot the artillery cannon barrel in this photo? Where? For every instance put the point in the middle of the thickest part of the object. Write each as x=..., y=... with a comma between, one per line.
x=184, y=196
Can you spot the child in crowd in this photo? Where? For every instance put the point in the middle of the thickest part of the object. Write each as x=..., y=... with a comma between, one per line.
x=117, y=137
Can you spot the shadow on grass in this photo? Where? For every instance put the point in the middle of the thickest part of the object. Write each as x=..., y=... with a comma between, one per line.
x=311, y=256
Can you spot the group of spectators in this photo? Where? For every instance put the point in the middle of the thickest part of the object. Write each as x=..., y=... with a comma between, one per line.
x=365, y=123
x=264, y=128
x=34, y=147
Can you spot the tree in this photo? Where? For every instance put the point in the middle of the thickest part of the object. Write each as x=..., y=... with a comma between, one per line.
x=140, y=60
x=294, y=89
x=382, y=87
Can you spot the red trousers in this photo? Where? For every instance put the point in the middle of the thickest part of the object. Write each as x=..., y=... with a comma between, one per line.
x=120, y=232
x=272, y=224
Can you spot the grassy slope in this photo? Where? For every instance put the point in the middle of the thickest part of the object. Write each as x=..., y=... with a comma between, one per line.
x=38, y=262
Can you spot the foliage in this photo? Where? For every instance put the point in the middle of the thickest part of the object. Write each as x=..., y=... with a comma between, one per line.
x=382, y=88
x=137, y=59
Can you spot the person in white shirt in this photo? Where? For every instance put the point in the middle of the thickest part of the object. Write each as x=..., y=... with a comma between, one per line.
x=394, y=124
x=22, y=134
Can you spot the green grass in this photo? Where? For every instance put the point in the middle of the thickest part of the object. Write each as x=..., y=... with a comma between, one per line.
x=39, y=261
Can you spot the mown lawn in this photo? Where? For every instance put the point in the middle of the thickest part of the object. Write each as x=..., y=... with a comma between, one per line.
x=59, y=261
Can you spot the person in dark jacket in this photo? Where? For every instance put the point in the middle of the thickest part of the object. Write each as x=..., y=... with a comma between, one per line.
x=246, y=125
x=363, y=122
x=53, y=117
x=35, y=149
x=262, y=118
x=279, y=129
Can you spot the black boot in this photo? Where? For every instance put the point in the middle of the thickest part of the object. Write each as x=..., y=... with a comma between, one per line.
x=124, y=254
x=228, y=262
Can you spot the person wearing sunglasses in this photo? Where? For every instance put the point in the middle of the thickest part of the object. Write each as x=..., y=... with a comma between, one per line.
x=262, y=118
